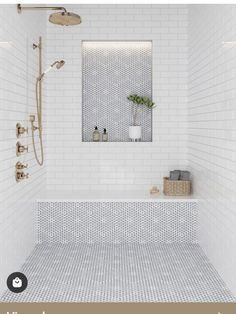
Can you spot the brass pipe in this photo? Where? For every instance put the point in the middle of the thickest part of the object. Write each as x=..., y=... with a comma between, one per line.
x=20, y=8
x=40, y=83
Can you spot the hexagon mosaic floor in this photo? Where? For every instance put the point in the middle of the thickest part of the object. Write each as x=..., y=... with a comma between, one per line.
x=120, y=273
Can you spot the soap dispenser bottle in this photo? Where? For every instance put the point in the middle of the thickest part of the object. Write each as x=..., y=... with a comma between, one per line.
x=96, y=135
x=105, y=136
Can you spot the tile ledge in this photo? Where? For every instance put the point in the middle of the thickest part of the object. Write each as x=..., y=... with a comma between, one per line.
x=89, y=196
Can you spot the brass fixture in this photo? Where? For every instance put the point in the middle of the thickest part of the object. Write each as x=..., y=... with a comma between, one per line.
x=20, y=175
x=20, y=130
x=58, y=65
x=63, y=18
x=32, y=118
x=20, y=8
x=38, y=95
x=21, y=166
x=35, y=46
x=20, y=149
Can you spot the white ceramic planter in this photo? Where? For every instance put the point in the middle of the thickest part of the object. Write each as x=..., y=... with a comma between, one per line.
x=135, y=132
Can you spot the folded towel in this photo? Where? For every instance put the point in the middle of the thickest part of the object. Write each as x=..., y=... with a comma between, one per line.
x=175, y=175
x=185, y=175
x=179, y=175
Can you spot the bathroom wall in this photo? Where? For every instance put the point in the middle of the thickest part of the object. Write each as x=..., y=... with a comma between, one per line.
x=73, y=165
x=212, y=131
x=17, y=76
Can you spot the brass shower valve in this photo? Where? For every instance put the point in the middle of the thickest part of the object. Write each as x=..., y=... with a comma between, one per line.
x=20, y=165
x=20, y=175
x=20, y=130
x=20, y=149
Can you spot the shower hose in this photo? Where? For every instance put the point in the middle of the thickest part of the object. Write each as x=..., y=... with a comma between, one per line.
x=39, y=128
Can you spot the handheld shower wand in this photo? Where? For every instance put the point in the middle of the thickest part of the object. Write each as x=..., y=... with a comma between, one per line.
x=58, y=65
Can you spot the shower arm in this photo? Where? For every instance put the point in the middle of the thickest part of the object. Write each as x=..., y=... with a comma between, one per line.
x=20, y=8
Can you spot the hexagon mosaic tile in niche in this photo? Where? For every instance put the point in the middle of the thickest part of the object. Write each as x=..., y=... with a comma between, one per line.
x=111, y=72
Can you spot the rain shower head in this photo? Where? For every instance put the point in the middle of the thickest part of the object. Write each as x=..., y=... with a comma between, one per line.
x=65, y=18
x=59, y=18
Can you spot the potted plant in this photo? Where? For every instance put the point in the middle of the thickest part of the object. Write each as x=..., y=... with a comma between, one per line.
x=135, y=130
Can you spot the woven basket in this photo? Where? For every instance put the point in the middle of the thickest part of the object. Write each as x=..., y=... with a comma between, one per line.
x=176, y=188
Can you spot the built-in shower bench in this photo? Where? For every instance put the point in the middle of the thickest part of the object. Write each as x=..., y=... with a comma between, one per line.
x=92, y=218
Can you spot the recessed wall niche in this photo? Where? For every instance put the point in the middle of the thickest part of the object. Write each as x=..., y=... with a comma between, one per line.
x=111, y=71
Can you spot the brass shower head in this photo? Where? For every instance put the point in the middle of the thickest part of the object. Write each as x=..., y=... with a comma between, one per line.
x=58, y=65
x=59, y=18
x=65, y=18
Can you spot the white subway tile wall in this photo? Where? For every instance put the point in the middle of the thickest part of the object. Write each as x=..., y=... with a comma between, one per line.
x=212, y=133
x=74, y=165
x=17, y=75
